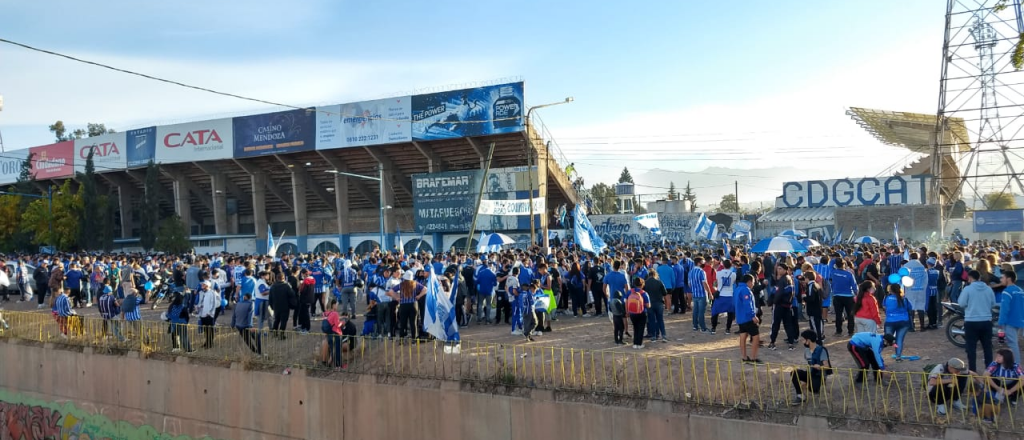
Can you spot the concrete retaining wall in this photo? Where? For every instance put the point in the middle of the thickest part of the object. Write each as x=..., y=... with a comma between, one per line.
x=107, y=396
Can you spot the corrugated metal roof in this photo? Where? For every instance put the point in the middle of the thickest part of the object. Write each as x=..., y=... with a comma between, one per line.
x=799, y=214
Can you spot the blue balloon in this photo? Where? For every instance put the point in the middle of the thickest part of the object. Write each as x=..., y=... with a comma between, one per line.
x=148, y=285
x=904, y=272
x=895, y=278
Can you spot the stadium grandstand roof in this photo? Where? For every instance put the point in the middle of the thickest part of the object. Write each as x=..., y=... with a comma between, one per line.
x=912, y=131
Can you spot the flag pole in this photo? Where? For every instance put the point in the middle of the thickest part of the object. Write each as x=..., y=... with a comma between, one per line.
x=480, y=196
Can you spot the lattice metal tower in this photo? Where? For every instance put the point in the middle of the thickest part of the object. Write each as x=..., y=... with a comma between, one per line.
x=980, y=87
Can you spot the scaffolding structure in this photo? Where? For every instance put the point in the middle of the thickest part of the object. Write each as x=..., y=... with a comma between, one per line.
x=980, y=90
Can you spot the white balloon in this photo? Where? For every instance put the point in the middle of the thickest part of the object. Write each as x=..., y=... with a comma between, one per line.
x=907, y=281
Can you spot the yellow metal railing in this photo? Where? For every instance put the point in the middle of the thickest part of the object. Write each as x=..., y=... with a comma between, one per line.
x=898, y=398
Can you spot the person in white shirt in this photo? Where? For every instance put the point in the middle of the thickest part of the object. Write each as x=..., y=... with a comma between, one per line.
x=725, y=281
x=209, y=301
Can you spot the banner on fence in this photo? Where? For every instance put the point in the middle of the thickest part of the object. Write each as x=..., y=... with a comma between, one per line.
x=511, y=207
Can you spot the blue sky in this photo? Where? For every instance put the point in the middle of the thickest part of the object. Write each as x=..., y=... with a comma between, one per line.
x=777, y=76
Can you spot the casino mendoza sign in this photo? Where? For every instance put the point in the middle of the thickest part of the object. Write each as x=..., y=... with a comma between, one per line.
x=869, y=191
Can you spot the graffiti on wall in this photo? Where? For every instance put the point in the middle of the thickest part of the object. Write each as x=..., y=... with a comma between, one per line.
x=676, y=227
x=24, y=418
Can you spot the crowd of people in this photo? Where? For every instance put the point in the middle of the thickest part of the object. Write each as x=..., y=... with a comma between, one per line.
x=850, y=286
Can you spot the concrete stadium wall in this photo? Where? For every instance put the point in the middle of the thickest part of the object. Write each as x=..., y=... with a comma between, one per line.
x=916, y=222
x=47, y=392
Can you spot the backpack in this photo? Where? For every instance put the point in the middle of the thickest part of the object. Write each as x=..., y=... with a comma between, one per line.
x=326, y=327
x=635, y=303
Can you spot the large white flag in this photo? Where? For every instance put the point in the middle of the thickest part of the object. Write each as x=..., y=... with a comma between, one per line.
x=586, y=236
x=649, y=221
x=439, y=317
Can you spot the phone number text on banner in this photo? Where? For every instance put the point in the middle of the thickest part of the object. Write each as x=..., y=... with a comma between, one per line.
x=510, y=207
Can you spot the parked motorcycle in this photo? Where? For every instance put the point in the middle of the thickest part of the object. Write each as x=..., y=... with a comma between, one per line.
x=954, y=316
x=160, y=290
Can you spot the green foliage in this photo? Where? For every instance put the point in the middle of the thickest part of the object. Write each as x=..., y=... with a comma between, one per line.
x=67, y=209
x=673, y=194
x=60, y=132
x=604, y=198
x=729, y=204
x=625, y=176
x=999, y=200
x=149, y=214
x=1017, y=58
x=688, y=195
x=172, y=236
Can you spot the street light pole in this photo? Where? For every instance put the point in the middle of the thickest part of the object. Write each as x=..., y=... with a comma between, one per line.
x=530, y=152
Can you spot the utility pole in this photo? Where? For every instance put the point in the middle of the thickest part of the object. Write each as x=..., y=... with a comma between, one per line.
x=737, y=185
x=480, y=196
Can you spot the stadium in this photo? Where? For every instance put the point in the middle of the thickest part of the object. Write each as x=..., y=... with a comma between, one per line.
x=405, y=170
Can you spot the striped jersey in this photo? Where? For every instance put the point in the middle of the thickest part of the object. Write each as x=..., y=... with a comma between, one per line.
x=697, y=278
x=62, y=306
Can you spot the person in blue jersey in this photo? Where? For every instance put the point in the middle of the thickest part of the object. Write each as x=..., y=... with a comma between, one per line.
x=242, y=319
x=110, y=309
x=1011, y=312
x=347, y=277
x=514, y=291
x=1004, y=380
x=316, y=271
x=782, y=307
x=746, y=317
x=933, y=306
x=130, y=313
x=844, y=289
x=486, y=283
x=615, y=287
x=898, y=317
x=529, y=316
x=819, y=366
x=866, y=350
x=73, y=283
x=63, y=311
x=725, y=282
x=699, y=291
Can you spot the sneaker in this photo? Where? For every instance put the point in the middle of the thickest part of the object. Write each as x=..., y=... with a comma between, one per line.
x=838, y=334
x=772, y=347
x=728, y=332
x=175, y=350
x=517, y=332
x=87, y=305
x=940, y=409
x=41, y=306
x=640, y=347
x=635, y=346
x=529, y=338
x=791, y=347
x=538, y=333
x=705, y=331
x=959, y=406
x=796, y=400
x=712, y=332
x=664, y=340
x=696, y=329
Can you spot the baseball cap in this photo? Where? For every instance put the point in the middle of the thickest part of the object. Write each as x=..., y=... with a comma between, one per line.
x=956, y=363
x=890, y=339
x=931, y=261
x=408, y=275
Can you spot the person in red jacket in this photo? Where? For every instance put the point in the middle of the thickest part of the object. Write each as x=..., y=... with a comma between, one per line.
x=865, y=309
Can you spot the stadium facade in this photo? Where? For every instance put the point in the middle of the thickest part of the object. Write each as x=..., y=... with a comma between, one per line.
x=294, y=172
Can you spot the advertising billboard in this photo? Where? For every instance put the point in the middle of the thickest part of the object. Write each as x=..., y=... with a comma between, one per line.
x=445, y=202
x=358, y=124
x=140, y=147
x=1009, y=220
x=10, y=165
x=469, y=112
x=870, y=191
x=53, y=161
x=274, y=133
x=194, y=141
x=108, y=153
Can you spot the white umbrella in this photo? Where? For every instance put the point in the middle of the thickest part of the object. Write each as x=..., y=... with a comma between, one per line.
x=778, y=244
x=795, y=233
x=867, y=239
x=810, y=242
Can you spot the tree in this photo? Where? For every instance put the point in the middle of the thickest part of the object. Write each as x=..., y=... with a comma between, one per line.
x=604, y=198
x=92, y=213
x=13, y=237
x=66, y=212
x=672, y=193
x=999, y=200
x=729, y=204
x=60, y=132
x=172, y=236
x=149, y=214
x=689, y=196
x=625, y=177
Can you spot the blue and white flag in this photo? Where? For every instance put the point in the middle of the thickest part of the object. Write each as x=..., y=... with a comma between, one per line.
x=837, y=237
x=705, y=229
x=712, y=232
x=852, y=234
x=725, y=245
x=896, y=231
x=586, y=235
x=439, y=317
x=649, y=221
x=271, y=249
